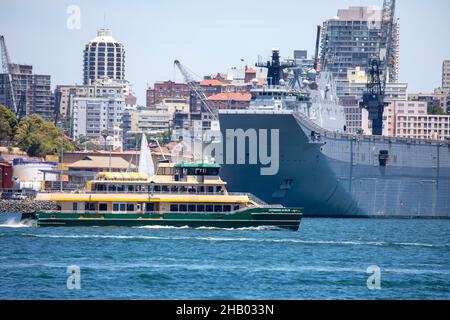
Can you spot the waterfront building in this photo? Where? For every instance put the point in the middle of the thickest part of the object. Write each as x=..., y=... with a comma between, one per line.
x=64, y=94
x=166, y=89
x=92, y=116
x=410, y=119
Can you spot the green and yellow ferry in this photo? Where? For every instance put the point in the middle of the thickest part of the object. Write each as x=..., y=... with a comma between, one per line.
x=179, y=195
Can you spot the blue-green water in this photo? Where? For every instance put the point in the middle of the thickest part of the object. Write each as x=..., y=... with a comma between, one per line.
x=326, y=259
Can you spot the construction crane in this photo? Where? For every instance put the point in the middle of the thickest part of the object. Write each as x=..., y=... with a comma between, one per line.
x=8, y=69
x=193, y=86
x=380, y=70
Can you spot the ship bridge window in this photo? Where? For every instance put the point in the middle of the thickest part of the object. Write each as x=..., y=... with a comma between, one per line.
x=236, y=207
x=218, y=189
x=210, y=189
x=383, y=157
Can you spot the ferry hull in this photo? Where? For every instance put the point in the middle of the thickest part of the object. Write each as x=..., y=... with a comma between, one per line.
x=289, y=221
x=335, y=175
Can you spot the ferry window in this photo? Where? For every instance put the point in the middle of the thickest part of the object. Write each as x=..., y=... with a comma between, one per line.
x=102, y=207
x=209, y=208
x=173, y=189
x=218, y=208
x=75, y=206
x=183, y=207
x=202, y=189
x=210, y=189
x=165, y=188
x=149, y=207
x=192, y=190
x=201, y=208
x=121, y=188
x=183, y=189
x=191, y=208
x=122, y=206
x=115, y=207
x=130, y=188
x=218, y=189
x=130, y=206
x=174, y=207
x=235, y=207
x=227, y=208
x=89, y=206
x=157, y=188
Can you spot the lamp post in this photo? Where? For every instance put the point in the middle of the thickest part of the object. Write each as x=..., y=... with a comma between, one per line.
x=105, y=135
x=61, y=162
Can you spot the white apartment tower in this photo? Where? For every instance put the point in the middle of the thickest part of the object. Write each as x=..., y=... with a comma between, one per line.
x=104, y=57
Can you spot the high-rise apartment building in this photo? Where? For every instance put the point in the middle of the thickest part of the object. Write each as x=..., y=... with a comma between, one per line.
x=352, y=39
x=446, y=74
x=32, y=94
x=104, y=57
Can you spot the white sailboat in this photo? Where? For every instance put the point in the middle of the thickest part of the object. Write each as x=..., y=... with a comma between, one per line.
x=146, y=164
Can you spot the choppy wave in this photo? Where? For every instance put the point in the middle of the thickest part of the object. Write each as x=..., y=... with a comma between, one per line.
x=238, y=239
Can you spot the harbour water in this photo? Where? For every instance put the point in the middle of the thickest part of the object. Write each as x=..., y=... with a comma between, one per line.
x=326, y=259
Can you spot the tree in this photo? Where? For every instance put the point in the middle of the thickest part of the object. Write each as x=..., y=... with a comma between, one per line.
x=435, y=109
x=39, y=138
x=8, y=124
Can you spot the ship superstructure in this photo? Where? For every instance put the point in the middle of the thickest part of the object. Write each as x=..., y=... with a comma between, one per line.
x=332, y=173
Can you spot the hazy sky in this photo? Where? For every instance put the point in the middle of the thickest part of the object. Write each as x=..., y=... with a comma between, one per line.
x=206, y=35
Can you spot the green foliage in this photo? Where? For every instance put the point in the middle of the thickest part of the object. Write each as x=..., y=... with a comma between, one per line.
x=8, y=124
x=435, y=109
x=39, y=138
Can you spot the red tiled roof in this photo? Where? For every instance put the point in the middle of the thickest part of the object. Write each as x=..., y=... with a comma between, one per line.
x=231, y=96
x=210, y=82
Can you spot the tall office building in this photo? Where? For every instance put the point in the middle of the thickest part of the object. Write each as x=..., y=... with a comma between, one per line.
x=32, y=94
x=352, y=39
x=104, y=57
x=446, y=74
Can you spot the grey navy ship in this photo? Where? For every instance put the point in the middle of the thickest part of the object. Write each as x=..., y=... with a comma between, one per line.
x=327, y=171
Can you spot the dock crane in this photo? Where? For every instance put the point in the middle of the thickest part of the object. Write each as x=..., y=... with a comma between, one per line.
x=8, y=69
x=193, y=86
x=380, y=70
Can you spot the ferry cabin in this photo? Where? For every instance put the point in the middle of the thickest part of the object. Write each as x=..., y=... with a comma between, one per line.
x=176, y=188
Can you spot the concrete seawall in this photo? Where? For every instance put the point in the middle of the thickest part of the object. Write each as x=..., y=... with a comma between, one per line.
x=20, y=206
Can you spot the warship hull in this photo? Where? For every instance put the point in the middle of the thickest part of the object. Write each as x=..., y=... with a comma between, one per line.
x=332, y=174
